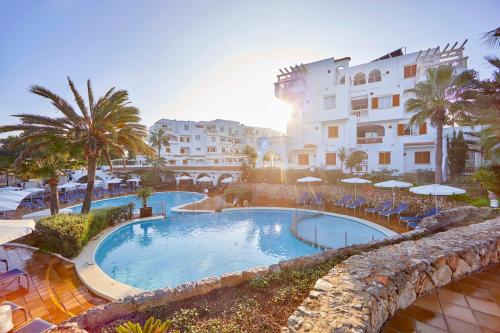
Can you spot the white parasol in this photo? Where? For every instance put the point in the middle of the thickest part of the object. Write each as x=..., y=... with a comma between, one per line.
x=393, y=184
x=355, y=181
x=435, y=190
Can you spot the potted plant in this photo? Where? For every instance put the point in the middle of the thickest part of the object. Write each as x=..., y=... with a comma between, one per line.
x=144, y=194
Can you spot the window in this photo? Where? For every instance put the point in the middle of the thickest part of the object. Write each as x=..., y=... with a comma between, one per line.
x=198, y=137
x=342, y=80
x=198, y=149
x=303, y=159
x=410, y=71
x=185, y=162
x=223, y=150
x=213, y=138
x=359, y=78
x=222, y=129
x=359, y=104
x=422, y=157
x=412, y=130
x=185, y=139
x=331, y=159
x=184, y=150
x=385, y=102
x=333, y=131
x=216, y=161
x=374, y=76
x=167, y=149
x=186, y=127
x=329, y=102
x=172, y=162
x=384, y=157
x=211, y=149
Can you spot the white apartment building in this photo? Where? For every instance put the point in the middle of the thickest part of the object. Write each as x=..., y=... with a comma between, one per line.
x=361, y=108
x=209, y=143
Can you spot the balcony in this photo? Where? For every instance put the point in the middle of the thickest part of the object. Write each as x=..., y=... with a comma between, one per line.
x=289, y=86
x=359, y=107
x=367, y=141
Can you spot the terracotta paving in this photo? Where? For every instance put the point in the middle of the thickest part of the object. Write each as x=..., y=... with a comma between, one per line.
x=55, y=293
x=469, y=305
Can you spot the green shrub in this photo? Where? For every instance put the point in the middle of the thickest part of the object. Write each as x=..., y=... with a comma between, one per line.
x=461, y=197
x=67, y=234
x=480, y=202
x=239, y=193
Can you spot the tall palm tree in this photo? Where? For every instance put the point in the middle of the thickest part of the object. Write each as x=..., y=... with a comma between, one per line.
x=104, y=125
x=343, y=157
x=443, y=99
x=158, y=139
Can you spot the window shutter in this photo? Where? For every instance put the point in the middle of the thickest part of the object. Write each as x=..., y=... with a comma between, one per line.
x=423, y=128
x=336, y=131
x=407, y=70
x=374, y=102
x=395, y=100
x=401, y=129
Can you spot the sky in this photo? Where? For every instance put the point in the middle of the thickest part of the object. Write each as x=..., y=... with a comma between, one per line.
x=209, y=59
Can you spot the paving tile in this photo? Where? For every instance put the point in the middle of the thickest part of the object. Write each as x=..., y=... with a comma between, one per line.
x=459, y=326
x=452, y=297
x=484, y=306
x=424, y=328
x=458, y=312
x=485, y=320
x=429, y=302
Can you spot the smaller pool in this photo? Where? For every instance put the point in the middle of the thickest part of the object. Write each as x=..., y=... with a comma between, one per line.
x=169, y=199
x=335, y=231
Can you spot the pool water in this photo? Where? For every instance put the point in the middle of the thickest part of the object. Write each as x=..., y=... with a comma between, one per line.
x=188, y=247
x=157, y=199
x=336, y=231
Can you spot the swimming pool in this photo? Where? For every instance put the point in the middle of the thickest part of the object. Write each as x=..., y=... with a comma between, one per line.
x=157, y=199
x=188, y=247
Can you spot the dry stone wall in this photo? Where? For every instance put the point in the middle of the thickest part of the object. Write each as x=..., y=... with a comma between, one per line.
x=361, y=293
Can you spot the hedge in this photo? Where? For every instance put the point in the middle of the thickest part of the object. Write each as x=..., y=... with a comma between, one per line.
x=239, y=194
x=67, y=234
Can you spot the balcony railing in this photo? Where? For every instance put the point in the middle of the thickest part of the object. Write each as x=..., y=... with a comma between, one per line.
x=359, y=112
x=366, y=141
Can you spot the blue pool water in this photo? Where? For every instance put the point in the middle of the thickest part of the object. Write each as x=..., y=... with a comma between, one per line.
x=171, y=199
x=188, y=247
x=336, y=231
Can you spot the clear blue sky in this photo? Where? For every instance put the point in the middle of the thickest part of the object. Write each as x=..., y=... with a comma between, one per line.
x=203, y=60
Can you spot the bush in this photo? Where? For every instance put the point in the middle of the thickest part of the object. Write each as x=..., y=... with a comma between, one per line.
x=480, y=202
x=67, y=234
x=239, y=194
x=461, y=198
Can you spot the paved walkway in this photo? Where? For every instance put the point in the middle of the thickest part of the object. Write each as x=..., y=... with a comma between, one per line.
x=469, y=305
x=55, y=293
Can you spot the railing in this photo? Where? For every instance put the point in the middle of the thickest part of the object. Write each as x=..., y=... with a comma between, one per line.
x=359, y=112
x=364, y=141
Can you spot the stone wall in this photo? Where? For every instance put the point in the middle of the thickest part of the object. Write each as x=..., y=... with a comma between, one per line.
x=361, y=293
x=100, y=315
x=374, y=196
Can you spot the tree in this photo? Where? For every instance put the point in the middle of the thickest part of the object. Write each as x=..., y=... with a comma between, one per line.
x=443, y=99
x=354, y=159
x=158, y=139
x=457, y=153
x=49, y=162
x=343, y=157
x=108, y=124
x=251, y=156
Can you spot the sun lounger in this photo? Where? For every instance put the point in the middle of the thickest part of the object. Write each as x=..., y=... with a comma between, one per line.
x=418, y=218
x=343, y=201
x=12, y=274
x=303, y=199
x=15, y=307
x=383, y=206
x=397, y=211
x=37, y=325
x=360, y=201
x=318, y=199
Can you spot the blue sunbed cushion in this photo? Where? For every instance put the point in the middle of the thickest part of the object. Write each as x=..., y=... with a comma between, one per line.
x=11, y=273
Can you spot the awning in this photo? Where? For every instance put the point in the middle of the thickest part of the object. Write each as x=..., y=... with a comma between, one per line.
x=14, y=229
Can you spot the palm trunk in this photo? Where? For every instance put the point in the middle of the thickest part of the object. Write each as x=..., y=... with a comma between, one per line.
x=87, y=201
x=439, y=154
x=54, y=196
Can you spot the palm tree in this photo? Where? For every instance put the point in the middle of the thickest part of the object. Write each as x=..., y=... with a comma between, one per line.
x=158, y=139
x=443, y=99
x=108, y=124
x=251, y=155
x=343, y=157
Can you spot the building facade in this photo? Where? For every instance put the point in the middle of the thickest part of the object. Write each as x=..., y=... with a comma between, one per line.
x=360, y=108
x=209, y=143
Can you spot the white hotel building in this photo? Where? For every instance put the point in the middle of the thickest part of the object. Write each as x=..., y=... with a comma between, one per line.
x=358, y=107
x=209, y=143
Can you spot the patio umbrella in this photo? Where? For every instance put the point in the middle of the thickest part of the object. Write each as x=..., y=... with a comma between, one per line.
x=13, y=229
x=227, y=180
x=393, y=184
x=10, y=188
x=68, y=186
x=185, y=177
x=435, y=190
x=204, y=179
x=355, y=181
x=309, y=180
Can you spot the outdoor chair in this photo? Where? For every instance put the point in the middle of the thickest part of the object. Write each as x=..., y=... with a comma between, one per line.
x=15, y=307
x=343, y=201
x=396, y=211
x=303, y=199
x=383, y=206
x=318, y=199
x=10, y=275
x=360, y=201
x=418, y=218
x=37, y=325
